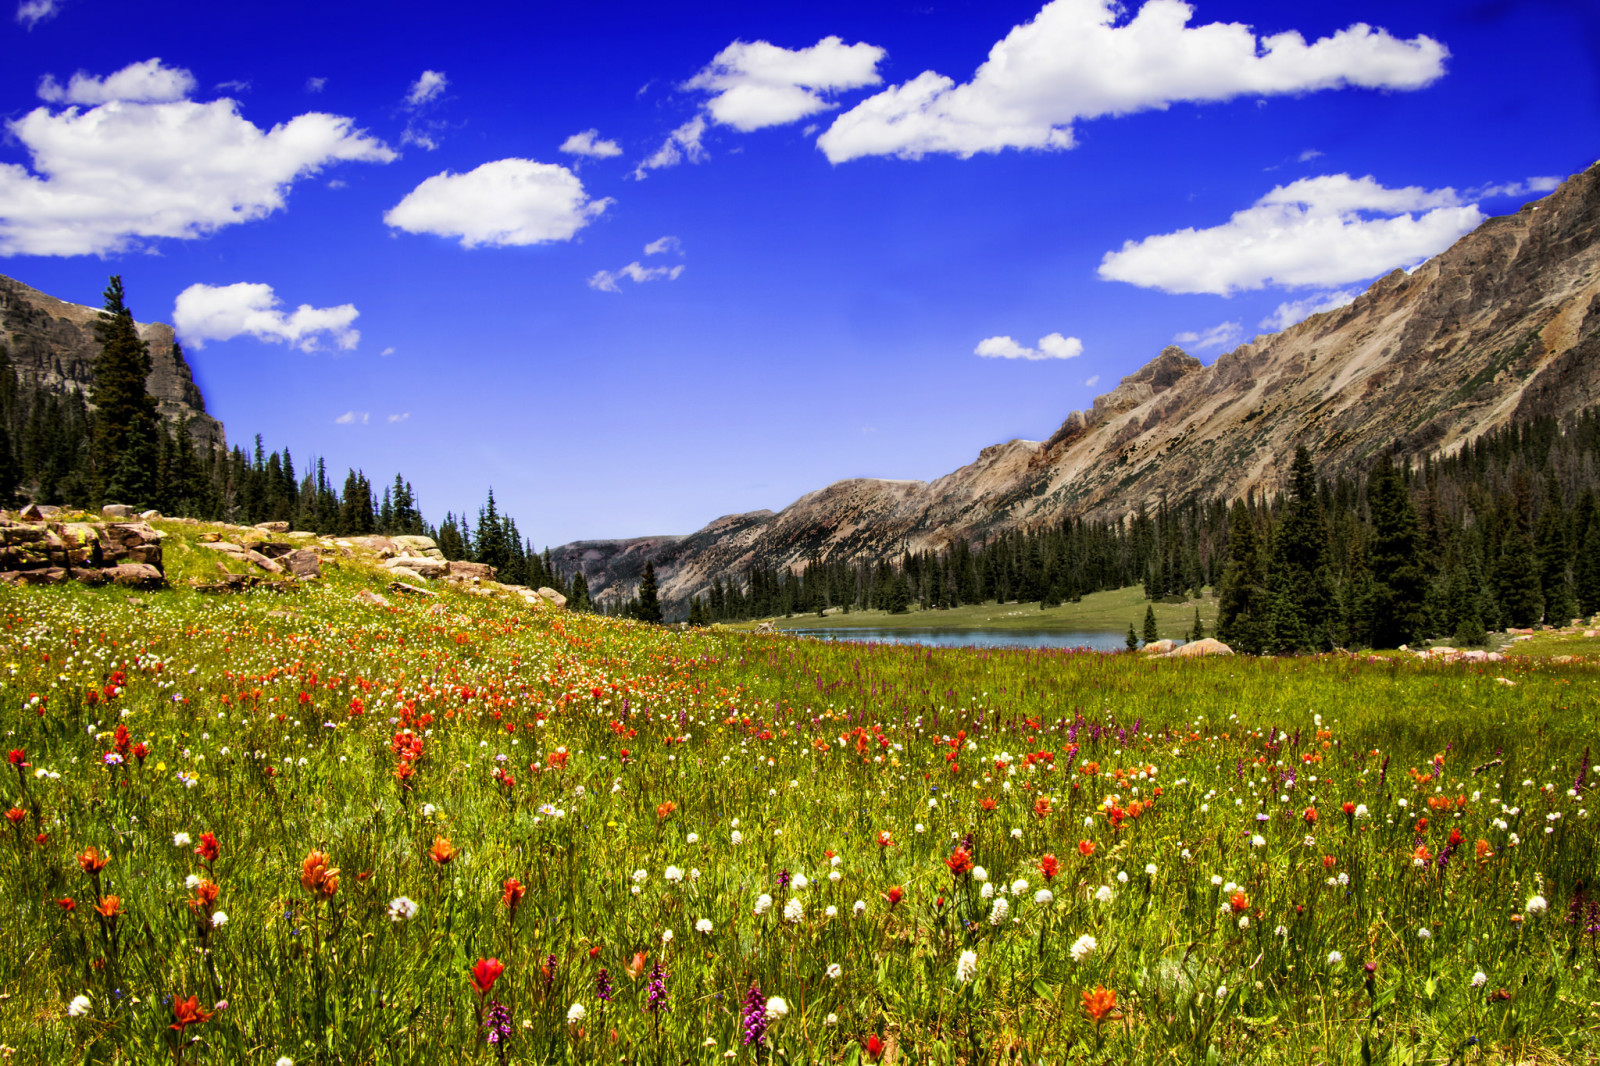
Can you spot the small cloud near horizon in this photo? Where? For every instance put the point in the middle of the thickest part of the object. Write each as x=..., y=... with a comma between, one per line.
x=352, y=418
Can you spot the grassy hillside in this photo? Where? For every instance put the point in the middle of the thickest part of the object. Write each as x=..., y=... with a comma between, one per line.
x=292, y=826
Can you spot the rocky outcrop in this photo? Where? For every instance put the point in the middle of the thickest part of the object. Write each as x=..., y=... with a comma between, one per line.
x=1503, y=325
x=52, y=343
x=36, y=552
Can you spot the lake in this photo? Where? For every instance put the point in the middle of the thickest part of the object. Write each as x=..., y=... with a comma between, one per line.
x=1092, y=639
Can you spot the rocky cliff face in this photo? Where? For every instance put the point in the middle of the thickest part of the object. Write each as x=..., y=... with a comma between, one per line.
x=1503, y=325
x=52, y=342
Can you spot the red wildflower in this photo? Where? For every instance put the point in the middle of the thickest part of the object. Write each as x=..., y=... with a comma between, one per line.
x=1086, y=848
x=442, y=851
x=1041, y=807
x=67, y=903
x=874, y=1046
x=1310, y=816
x=987, y=803
x=16, y=815
x=513, y=894
x=109, y=907
x=1239, y=902
x=894, y=895
x=209, y=849
x=665, y=810
x=90, y=861
x=1099, y=1003
x=485, y=974
x=188, y=1012
x=18, y=757
x=1049, y=865
x=884, y=839
x=960, y=862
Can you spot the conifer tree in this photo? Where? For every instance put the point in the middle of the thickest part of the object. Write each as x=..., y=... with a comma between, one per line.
x=1132, y=640
x=1150, y=635
x=1198, y=631
x=125, y=446
x=649, y=606
x=1241, y=601
x=1395, y=558
x=1555, y=580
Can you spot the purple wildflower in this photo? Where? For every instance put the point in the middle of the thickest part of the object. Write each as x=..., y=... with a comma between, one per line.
x=656, y=994
x=497, y=1026
x=602, y=986
x=755, y=1017
x=549, y=972
x=783, y=878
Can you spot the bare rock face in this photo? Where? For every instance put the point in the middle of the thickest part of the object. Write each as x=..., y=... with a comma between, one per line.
x=1504, y=325
x=461, y=569
x=303, y=564
x=550, y=595
x=371, y=599
x=33, y=552
x=52, y=343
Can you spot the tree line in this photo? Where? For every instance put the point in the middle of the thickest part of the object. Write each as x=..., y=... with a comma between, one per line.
x=67, y=449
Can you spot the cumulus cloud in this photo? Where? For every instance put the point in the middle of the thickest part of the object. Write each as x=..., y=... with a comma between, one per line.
x=108, y=175
x=663, y=245
x=353, y=418
x=32, y=12
x=589, y=145
x=1508, y=189
x=682, y=143
x=150, y=82
x=1308, y=155
x=1092, y=381
x=506, y=202
x=1316, y=232
x=400, y=417
x=606, y=280
x=1078, y=60
x=1053, y=346
x=754, y=84
x=1221, y=335
x=427, y=88
x=223, y=312
x=1295, y=311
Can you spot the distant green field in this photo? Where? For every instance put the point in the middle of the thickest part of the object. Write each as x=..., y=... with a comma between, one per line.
x=1101, y=610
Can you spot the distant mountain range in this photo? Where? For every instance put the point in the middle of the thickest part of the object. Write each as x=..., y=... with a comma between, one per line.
x=1502, y=326
x=52, y=343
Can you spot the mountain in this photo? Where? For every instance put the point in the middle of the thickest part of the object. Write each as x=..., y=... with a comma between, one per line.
x=1504, y=325
x=52, y=343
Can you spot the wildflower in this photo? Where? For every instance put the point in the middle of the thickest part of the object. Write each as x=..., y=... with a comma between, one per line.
x=1334, y=958
x=1425, y=933
x=1000, y=911
x=666, y=936
x=894, y=895
x=1083, y=947
x=979, y=874
x=1222, y=992
x=1041, y=807
x=497, y=1024
x=485, y=974
x=834, y=971
x=874, y=1046
x=966, y=967
x=317, y=875
x=402, y=909
x=776, y=1008
x=514, y=891
x=794, y=911
x=1099, y=1003
x=1103, y=894
x=602, y=986
x=763, y=904
x=188, y=1012
x=960, y=862
x=1258, y=841
x=736, y=838
x=859, y=908
x=91, y=862
x=755, y=1017
x=1049, y=865
x=656, y=993
x=831, y=912
x=703, y=926
x=665, y=810
x=1537, y=905
x=692, y=838
x=884, y=840
x=1018, y=887
x=78, y=1007
x=673, y=874
x=181, y=840
x=218, y=920
x=576, y=1014
x=1239, y=902
x=1150, y=869
x=209, y=849
x=1480, y=979
x=1044, y=897
x=442, y=851
x=109, y=907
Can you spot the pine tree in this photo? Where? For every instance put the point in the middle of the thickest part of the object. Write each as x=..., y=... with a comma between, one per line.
x=1198, y=632
x=1241, y=601
x=1555, y=581
x=1132, y=641
x=1395, y=558
x=125, y=446
x=1150, y=635
x=649, y=606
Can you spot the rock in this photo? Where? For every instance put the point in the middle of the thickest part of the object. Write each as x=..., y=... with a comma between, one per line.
x=460, y=568
x=273, y=527
x=1204, y=646
x=764, y=627
x=262, y=561
x=371, y=599
x=375, y=544
x=405, y=574
x=425, y=567
x=305, y=565
x=52, y=575
x=208, y=538
x=1158, y=647
x=32, y=513
x=150, y=515
x=116, y=510
x=421, y=544
x=553, y=596
x=134, y=575
x=410, y=590
x=272, y=549
x=224, y=546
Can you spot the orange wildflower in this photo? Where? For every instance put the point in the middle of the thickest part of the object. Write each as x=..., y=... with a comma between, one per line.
x=1049, y=865
x=442, y=851
x=1041, y=807
x=91, y=861
x=1099, y=1003
x=960, y=862
x=665, y=810
x=109, y=907
x=513, y=894
x=188, y=1012
x=318, y=875
x=1086, y=848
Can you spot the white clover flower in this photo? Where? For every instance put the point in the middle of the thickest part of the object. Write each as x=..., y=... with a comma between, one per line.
x=1222, y=991
x=181, y=840
x=191, y=882
x=794, y=911
x=776, y=1008
x=78, y=1007
x=966, y=967
x=1361, y=810
x=1103, y=894
x=284, y=1060
x=1122, y=877
x=672, y=874
x=402, y=909
x=1258, y=841
x=831, y=912
x=1216, y=881
x=1334, y=958
x=640, y=877
x=1537, y=905
x=218, y=920
x=832, y=1019
x=1018, y=887
x=666, y=936
x=979, y=874
x=835, y=876
x=1044, y=896
x=692, y=838
x=1244, y=922
x=800, y=881
x=429, y=810
x=735, y=838
x=834, y=971
x=1001, y=910
x=919, y=827
x=1425, y=933
x=859, y=908
x=987, y=891
x=1083, y=947
x=763, y=904
x=1150, y=870
x=835, y=861
x=576, y=1014
x=1016, y=834
x=703, y=925
x=1480, y=979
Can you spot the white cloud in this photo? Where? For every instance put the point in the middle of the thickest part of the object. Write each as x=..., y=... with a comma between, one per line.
x=32, y=12
x=104, y=177
x=589, y=144
x=150, y=82
x=223, y=312
x=663, y=245
x=316, y=85
x=755, y=84
x=1074, y=61
x=387, y=351
x=606, y=280
x=1295, y=311
x=506, y=202
x=400, y=417
x=353, y=418
x=682, y=143
x=1053, y=346
x=1324, y=231
x=427, y=88
x=1512, y=188
x=237, y=85
x=1091, y=382
x=1221, y=335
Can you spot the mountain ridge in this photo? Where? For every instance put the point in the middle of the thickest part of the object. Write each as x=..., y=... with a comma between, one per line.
x=1504, y=325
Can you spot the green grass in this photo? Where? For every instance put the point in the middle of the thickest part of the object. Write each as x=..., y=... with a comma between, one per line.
x=1107, y=611
x=636, y=754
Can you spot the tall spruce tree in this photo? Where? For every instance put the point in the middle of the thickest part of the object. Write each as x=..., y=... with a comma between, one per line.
x=1301, y=588
x=1395, y=559
x=1241, y=600
x=649, y=606
x=125, y=449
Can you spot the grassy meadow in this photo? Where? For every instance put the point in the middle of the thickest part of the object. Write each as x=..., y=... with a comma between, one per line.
x=289, y=827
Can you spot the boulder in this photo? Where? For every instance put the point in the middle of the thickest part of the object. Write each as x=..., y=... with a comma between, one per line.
x=224, y=546
x=305, y=565
x=53, y=575
x=1158, y=647
x=764, y=627
x=150, y=515
x=272, y=549
x=116, y=510
x=1204, y=646
x=371, y=599
x=374, y=544
x=269, y=565
x=406, y=575
x=134, y=575
x=410, y=590
x=553, y=596
x=419, y=544
x=273, y=527
x=32, y=513
x=428, y=568
x=460, y=568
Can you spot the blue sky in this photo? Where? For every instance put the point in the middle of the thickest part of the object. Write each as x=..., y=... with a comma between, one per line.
x=801, y=243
